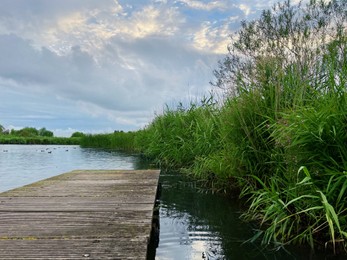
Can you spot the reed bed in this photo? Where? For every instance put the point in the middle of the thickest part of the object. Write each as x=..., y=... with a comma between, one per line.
x=118, y=140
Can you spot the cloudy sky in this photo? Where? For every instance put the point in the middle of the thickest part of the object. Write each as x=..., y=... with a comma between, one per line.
x=105, y=65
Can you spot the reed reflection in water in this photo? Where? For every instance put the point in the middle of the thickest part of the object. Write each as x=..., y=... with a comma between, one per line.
x=199, y=225
x=193, y=223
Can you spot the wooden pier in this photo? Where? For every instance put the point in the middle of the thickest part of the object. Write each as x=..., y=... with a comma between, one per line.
x=94, y=214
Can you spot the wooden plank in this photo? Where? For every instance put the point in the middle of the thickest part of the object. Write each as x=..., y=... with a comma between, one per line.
x=118, y=203
x=72, y=249
x=79, y=215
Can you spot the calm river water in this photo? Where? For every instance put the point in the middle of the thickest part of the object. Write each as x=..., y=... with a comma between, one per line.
x=193, y=224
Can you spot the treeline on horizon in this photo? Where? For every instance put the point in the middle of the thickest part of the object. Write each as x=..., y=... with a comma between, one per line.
x=278, y=137
x=31, y=135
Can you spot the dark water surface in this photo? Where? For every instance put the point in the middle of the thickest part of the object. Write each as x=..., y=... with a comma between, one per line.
x=193, y=223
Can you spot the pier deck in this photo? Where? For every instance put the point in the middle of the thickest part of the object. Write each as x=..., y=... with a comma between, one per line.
x=87, y=214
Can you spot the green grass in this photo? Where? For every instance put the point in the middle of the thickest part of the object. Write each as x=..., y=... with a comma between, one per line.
x=118, y=141
x=301, y=213
x=178, y=137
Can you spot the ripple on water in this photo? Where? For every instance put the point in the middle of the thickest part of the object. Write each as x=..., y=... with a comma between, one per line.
x=183, y=236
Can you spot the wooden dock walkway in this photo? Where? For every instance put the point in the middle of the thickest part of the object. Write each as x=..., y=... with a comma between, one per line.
x=94, y=214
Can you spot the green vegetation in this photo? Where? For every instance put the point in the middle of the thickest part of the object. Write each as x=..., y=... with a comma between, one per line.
x=31, y=132
x=278, y=139
x=118, y=140
x=8, y=139
x=78, y=134
x=30, y=135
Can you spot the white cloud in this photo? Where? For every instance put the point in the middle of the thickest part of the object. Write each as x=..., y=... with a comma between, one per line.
x=151, y=21
x=245, y=8
x=92, y=29
x=211, y=38
x=210, y=5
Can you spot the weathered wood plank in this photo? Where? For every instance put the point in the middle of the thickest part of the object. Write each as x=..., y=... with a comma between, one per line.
x=89, y=184
x=72, y=249
x=118, y=203
x=79, y=215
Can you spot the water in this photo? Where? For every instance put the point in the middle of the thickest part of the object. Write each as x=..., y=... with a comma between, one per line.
x=193, y=223
x=24, y=164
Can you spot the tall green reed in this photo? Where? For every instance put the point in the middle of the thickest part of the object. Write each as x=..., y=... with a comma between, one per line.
x=308, y=129
x=118, y=140
x=180, y=136
x=300, y=212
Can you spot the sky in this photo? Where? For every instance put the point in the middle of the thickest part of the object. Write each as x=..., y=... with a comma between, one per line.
x=97, y=66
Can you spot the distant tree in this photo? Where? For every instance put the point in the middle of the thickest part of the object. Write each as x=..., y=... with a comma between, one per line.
x=78, y=134
x=27, y=132
x=44, y=132
x=2, y=129
x=287, y=37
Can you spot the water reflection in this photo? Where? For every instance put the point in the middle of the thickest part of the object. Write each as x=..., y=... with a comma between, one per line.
x=192, y=223
x=197, y=225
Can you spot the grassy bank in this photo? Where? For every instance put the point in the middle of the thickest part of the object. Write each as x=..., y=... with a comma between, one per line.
x=279, y=137
x=11, y=139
